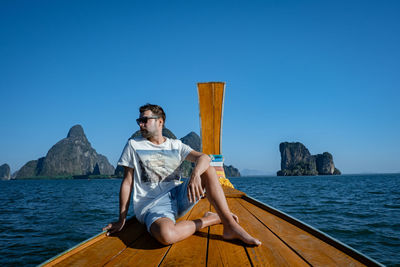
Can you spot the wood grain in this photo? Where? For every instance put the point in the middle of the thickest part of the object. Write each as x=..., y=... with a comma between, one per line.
x=211, y=99
x=100, y=252
x=232, y=192
x=315, y=251
x=272, y=252
x=146, y=251
x=193, y=250
x=225, y=253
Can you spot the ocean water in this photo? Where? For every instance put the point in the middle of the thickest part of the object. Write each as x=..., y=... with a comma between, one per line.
x=41, y=218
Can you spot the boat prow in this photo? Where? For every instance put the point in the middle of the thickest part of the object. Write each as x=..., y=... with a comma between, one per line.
x=285, y=241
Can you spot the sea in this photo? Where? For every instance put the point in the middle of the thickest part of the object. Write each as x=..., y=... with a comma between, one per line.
x=42, y=218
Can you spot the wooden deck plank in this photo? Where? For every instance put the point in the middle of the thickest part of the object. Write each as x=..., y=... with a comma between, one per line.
x=63, y=256
x=145, y=251
x=193, y=250
x=225, y=253
x=100, y=252
x=272, y=252
x=232, y=192
x=315, y=251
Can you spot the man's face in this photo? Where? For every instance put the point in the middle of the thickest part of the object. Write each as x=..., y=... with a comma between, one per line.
x=152, y=127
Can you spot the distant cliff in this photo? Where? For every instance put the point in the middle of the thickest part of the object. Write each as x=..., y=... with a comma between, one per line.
x=231, y=171
x=296, y=160
x=5, y=172
x=71, y=156
x=193, y=140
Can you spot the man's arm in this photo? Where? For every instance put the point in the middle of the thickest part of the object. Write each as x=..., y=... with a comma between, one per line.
x=124, y=199
x=202, y=162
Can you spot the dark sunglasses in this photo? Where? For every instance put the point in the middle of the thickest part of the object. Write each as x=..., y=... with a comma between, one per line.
x=145, y=119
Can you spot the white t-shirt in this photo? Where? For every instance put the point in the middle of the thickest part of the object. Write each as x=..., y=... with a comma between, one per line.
x=156, y=169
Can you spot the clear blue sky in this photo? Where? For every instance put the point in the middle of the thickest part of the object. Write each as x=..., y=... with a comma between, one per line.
x=324, y=73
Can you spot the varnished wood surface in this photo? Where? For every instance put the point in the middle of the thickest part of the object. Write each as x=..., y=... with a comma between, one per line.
x=211, y=103
x=283, y=244
x=311, y=249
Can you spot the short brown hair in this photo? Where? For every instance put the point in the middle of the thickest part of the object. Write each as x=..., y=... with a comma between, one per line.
x=155, y=109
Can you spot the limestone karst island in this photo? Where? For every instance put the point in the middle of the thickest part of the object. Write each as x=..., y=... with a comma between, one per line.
x=296, y=160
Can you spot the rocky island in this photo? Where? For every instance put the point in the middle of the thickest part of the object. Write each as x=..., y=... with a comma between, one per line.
x=5, y=172
x=296, y=160
x=71, y=156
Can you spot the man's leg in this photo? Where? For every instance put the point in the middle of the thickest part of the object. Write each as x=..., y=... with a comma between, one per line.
x=165, y=229
x=167, y=232
x=216, y=196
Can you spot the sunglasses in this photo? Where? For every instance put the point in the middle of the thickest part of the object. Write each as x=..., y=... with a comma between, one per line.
x=145, y=119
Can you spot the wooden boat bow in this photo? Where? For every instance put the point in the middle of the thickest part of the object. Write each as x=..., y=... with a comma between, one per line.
x=286, y=241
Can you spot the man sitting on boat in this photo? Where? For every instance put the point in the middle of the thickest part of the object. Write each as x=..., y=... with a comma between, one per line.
x=151, y=164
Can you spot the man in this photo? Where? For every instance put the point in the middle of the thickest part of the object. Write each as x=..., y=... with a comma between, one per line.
x=151, y=164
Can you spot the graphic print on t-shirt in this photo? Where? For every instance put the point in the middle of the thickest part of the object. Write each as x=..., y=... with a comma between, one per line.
x=159, y=165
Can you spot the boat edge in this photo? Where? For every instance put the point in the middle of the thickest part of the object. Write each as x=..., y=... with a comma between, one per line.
x=315, y=232
x=70, y=249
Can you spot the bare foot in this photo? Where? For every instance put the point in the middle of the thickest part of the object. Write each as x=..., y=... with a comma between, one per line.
x=210, y=215
x=237, y=232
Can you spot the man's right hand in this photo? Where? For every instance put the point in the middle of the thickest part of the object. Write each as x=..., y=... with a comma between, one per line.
x=114, y=227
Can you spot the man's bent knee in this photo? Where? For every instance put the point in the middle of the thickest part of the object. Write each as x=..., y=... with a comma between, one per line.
x=165, y=238
x=163, y=230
